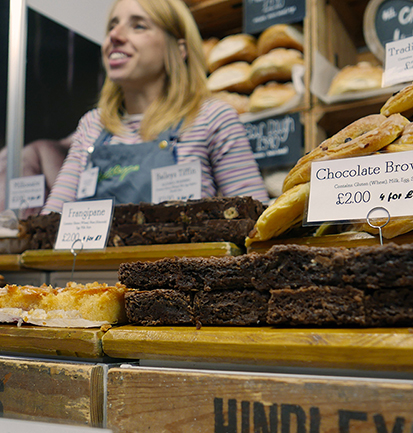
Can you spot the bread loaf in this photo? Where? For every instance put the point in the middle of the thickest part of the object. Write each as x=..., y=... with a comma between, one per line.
x=234, y=77
x=275, y=66
x=233, y=48
x=236, y=100
x=280, y=36
x=356, y=78
x=270, y=95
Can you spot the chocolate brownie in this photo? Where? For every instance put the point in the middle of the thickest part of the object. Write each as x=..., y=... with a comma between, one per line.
x=215, y=219
x=389, y=307
x=158, y=307
x=189, y=273
x=316, y=306
x=230, y=307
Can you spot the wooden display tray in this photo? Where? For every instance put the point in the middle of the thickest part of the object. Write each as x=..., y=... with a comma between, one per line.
x=387, y=349
x=57, y=392
x=348, y=240
x=10, y=262
x=112, y=257
x=38, y=340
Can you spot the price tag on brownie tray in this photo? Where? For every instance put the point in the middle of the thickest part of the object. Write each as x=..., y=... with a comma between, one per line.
x=176, y=182
x=27, y=192
x=348, y=189
x=84, y=225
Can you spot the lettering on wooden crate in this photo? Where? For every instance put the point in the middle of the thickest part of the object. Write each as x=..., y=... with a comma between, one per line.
x=288, y=418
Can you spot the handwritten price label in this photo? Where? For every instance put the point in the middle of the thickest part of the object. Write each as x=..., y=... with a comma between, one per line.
x=347, y=189
x=84, y=221
x=27, y=192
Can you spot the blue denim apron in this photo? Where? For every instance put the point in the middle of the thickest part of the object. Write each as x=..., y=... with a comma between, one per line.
x=125, y=169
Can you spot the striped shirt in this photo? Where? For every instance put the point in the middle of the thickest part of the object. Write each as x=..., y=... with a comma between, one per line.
x=216, y=138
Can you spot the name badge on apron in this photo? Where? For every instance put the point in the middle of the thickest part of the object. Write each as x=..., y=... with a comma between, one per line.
x=87, y=183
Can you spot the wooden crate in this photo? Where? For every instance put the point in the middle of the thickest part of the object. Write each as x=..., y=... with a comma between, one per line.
x=161, y=400
x=62, y=393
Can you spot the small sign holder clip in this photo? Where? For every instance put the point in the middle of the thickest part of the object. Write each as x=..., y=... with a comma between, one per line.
x=75, y=253
x=381, y=225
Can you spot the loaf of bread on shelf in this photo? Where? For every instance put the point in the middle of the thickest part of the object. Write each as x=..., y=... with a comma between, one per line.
x=271, y=95
x=277, y=65
x=235, y=77
x=76, y=305
x=356, y=78
x=236, y=100
x=208, y=44
x=232, y=48
x=280, y=36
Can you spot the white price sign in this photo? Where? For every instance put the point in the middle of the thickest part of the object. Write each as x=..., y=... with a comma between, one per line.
x=23, y=426
x=26, y=192
x=348, y=189
x=176, y=182
x=84, y=225
x=399, y=62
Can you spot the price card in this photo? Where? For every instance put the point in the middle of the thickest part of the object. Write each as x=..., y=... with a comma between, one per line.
x=27, y=192
x=176, y=182
x=84, y=223
x=399, y=62
x=348, y=189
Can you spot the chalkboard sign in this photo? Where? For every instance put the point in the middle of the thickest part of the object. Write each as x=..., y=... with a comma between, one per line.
x=276, y=141
x=260, y=14
x=387, y=21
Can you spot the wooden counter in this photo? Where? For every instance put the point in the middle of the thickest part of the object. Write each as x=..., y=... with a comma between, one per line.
x=366, y=349
x=112, y=257
x=64, y=342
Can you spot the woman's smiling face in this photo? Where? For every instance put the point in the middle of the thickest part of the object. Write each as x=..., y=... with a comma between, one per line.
x=134, y=48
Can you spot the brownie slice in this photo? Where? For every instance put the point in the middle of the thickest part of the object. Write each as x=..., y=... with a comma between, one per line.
x=381, y=266
x=161, y=274
x=147, y=234
x=189, y=273
x=316, y=306
x=236, y=307
x=299, y=265
x=40, y=230
x=158, y=307
x=220, y=230
x=389, y=307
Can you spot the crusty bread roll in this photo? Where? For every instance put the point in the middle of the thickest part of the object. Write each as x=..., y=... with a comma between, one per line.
x=280, y=36
x=275, y=66
x=362, y=137
x=286, y=212
x=400, y=102
x=270, y=95
x=236, y=100
x=233, y=48
x=234, y=77
x=356, y=78
x=207, y=45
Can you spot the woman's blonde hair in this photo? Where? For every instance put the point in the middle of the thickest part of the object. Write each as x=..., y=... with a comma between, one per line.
x=185, y=86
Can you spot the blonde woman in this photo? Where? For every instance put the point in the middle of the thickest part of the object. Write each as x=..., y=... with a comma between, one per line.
x=155, y=111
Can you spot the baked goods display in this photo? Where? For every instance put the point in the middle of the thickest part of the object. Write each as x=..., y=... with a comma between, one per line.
x=288, y=285
x=216, y=219
x=356, y=78
x=374, y=133
x=238, y=64
x=76, y=305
